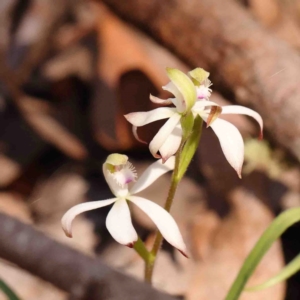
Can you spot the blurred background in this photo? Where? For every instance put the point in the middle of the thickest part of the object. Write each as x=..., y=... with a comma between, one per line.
x=70, y=70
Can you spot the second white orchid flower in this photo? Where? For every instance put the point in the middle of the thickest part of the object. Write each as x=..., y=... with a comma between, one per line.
x=119, y=173
x=192, y=95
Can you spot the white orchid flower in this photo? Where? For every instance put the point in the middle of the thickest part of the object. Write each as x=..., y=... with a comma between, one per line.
x=119, y=172
x=192, y=95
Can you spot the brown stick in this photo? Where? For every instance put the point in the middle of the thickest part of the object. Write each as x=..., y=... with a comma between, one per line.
x=261, y=70
x=83, y=277
x=40, y=49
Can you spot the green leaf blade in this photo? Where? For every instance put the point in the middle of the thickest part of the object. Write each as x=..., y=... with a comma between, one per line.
x=11, y=295
x=289, y=270
x=271, y=234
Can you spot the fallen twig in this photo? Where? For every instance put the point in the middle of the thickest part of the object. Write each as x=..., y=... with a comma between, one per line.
x=83, y=277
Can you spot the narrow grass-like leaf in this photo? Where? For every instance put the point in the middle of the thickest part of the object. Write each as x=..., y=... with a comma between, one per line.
x=271, y=234
x=8, y=291
x=288, y=271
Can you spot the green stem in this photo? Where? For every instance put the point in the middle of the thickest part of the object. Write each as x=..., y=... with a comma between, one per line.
x=8, y=291
x=146, y=255
x=183, y=158
x=141, y=249
x=158, y=238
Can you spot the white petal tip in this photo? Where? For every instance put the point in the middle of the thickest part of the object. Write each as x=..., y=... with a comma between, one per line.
x=68, y=233
x=159, y=101
x=134, y=131
x=183, y=253
x=157, y=156
x=261, y=136
x=164, y=159
x=151, y=97
x=127, y=117
x=130, y=245
x=67, y=225
x=239, y=174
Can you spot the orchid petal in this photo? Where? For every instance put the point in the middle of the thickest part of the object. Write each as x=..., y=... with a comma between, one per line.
x=204, y=91
x=171, y=144
x=153, y=172
x=178, y=101
x=163, y=134
x=237, y=109
x=119, y=169
x=135, y=134
x=163, y=220
x=186, y=88
x=119, y=225
x=146, y=117
x=161, y=101
x=231, y=143
x=70, y=215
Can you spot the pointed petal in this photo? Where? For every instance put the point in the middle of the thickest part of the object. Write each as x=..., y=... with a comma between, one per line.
x=160, y=101
x=237, y=109
x=146, y=117
x=163, y=220
x=178, y=101
x=163, y=134
x=172, y=143
x=70, y=215
x=231, y=143
x=135, y=134
x=119, y=225
x=153, y=172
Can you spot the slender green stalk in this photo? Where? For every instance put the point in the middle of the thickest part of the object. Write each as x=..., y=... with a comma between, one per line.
x=168, y=204
x=8, y=291
x=185, y=153
x=141, y=249
x=184, y=156
x=146, y=255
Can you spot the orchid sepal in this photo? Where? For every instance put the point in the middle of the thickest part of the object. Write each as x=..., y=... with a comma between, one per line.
x=185, y=86
x=198, y=76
